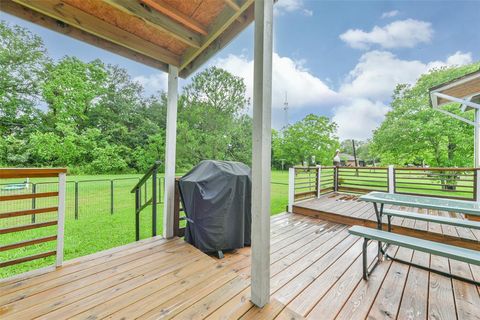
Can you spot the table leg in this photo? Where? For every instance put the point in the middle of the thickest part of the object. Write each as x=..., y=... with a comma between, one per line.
x=379, y=213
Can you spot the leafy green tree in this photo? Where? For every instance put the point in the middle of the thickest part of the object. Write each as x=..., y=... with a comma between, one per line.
x=414, y=133
x=313, y=136
x=72, y=88
x=22, y=69
x=212, y=122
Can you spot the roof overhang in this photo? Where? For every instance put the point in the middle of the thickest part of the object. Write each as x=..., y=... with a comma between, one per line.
x=157, y=33
x=464, y=90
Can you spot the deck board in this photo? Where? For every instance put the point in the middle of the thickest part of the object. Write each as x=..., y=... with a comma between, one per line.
x=316, y=273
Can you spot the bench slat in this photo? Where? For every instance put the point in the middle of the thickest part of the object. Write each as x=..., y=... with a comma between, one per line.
x=439, y=249
x=428, y=217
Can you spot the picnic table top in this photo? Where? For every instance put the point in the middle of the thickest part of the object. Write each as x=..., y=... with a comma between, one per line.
x=460, y=206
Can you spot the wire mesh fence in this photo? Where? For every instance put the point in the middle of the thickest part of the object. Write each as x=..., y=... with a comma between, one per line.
x=84, y=198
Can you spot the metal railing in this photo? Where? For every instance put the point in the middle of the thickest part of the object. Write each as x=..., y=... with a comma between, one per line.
x=453, y=183
x=141, y=205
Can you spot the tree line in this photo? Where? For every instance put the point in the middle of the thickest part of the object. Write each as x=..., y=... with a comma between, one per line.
x=94, y=118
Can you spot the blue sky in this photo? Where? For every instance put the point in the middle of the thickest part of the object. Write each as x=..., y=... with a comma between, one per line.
x=341, y=59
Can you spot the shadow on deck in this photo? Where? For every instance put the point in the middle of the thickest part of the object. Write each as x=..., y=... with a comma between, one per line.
x=316, y=273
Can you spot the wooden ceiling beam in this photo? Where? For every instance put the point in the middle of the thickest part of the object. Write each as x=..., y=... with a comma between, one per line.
x=222, y=41
x=159, y=21
x=45, y=21
x=162, y=7
x=232, y=4
x=72, y=16
x=220, y=24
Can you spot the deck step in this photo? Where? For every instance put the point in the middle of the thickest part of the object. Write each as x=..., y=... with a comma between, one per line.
x=439, y=249
x=428, y=217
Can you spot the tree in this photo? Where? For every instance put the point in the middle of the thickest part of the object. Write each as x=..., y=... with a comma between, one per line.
x=414, y=133
x=211, y=122
x=313, y=136
x=22, y=69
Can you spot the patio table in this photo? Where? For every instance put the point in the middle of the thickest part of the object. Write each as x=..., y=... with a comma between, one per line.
x=379, y=199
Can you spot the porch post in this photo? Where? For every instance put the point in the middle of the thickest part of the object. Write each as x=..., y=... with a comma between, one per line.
x=261, y=160
x=476, y=148
x=170, y=148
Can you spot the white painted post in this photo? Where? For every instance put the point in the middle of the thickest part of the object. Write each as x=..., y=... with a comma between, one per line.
x=476, y=147
x=291, y=188
x=391, y=179
x=261, y=160
x=170, y=152
x=319, y=179
x=62, y=188
x=477, y=187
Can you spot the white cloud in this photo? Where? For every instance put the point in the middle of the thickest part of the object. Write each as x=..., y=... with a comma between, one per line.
x=398, y=34
x=370, y=84
x=358, y=118
x=390, y=14
x=303, y=88
x=285, y=6
x=459, y=58
x=154, y=82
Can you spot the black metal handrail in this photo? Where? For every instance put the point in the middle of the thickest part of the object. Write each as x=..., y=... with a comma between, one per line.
x=152, y=172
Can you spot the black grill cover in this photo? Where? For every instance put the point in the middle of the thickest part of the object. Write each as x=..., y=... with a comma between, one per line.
x=216, y=196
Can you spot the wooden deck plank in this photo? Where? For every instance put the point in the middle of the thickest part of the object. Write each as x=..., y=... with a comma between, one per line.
x=33, y=287
x=441, y=303
x=414, y=304
x=387, y=302
x=316, y=273
x=48, y=299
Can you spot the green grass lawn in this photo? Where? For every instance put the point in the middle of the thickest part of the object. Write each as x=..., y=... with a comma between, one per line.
x=96, y=228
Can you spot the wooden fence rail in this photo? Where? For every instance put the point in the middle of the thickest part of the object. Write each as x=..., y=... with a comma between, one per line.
x=14, y=173
x=454, y=183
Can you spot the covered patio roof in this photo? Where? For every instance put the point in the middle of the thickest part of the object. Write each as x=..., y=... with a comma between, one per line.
x=462, y=90
x=157, y=33
x=466, y=91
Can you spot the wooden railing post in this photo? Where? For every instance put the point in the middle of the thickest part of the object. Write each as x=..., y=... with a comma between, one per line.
x=62, y=188
x=391, y=179
x=319, y=179
x=291, y=188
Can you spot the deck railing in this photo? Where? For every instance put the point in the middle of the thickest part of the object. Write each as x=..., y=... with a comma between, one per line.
x=59, y=222
x=454, y=183
x=141, y=204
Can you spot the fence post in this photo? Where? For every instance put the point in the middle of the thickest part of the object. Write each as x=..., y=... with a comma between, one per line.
x=76, y=200
x=391, y=179
x=137, y=214
x=62, y=188
x=34, y=200
x=319, y=177
x=111, y=196
x=335, y=179
x=291, y=188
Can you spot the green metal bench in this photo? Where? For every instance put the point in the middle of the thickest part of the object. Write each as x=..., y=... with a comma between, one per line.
x=440, y=249
x=431, y=218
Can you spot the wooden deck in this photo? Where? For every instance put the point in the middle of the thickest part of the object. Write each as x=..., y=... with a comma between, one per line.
x=316, y=273
x=349, y=210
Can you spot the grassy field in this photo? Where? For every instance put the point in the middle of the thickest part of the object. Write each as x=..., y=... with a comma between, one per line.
x=96, y=228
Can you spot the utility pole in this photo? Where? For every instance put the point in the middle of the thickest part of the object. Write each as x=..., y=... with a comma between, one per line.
x=354, y=153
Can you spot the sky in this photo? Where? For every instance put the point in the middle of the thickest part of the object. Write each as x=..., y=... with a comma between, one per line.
x=341, y=59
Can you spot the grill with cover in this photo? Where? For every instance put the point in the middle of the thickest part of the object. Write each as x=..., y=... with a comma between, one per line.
x=216, y=197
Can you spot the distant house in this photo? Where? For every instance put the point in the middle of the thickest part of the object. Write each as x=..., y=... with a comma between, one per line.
x=349, y=160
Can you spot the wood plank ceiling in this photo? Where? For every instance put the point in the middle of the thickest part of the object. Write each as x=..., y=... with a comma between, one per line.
x=154, y=32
